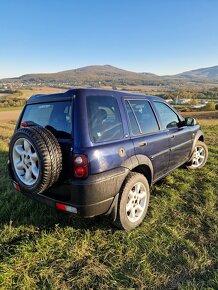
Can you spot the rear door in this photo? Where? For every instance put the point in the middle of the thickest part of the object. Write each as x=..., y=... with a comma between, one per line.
x=147, y=138
x=180, y=137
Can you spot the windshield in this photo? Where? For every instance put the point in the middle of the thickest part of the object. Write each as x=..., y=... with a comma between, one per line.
x=54, y=116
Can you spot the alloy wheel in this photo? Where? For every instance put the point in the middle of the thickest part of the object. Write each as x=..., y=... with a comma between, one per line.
x=25, y=161
x=136, y=202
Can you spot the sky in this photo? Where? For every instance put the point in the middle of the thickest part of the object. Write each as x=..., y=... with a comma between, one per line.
x=157, y=36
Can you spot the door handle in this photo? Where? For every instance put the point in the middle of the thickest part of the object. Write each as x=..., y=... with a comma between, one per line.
x=142, y=144
x=172, y=136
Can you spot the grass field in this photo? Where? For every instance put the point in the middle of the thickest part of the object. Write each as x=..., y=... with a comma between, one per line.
x=175, y=248
x=9, y=109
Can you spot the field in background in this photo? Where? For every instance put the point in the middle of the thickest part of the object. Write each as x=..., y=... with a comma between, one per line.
x=9, y=116
x=10, y=109
x=175, y=248
x=201, y=115
x=26, y=93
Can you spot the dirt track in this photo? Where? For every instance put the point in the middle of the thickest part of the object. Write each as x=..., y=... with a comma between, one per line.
x=9, y=116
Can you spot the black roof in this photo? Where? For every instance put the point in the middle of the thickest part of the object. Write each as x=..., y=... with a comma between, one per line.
x=41, y=98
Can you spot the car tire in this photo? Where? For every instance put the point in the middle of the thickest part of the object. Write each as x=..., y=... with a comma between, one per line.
x=35, y=159
x=199, y=156
x=132, y=202
x=54, y=150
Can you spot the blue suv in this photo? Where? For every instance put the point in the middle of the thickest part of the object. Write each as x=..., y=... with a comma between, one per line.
x=97, y=152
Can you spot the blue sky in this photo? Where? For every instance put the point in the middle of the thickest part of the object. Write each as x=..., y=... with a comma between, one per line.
x=158, y=36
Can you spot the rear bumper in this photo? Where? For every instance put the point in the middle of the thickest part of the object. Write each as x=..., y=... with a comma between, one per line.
x=92, y=196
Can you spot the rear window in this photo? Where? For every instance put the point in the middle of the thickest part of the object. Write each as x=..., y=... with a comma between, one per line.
x=104, y=119
x=54, y=116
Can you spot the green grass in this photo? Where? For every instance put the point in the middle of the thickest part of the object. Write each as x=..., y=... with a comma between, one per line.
x=11, y=109
x=175, y=248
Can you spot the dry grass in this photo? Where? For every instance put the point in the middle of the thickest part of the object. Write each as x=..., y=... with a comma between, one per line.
x=9, y=115
x=26, y=93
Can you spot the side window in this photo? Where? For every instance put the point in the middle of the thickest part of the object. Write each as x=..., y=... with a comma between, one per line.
x=169, y=118
x=104, y=119
x=143, y=113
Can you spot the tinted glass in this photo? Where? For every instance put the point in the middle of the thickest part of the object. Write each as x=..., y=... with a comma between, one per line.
x=55, y=116
x=169, y=119
x=104, y=118
x=145, y=116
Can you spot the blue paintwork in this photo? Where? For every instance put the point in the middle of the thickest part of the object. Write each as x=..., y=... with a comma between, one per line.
x=104, y=156
x=164, y=151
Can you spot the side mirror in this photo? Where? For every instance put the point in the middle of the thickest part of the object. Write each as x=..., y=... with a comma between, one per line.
x=190, y=121
x=187, y=122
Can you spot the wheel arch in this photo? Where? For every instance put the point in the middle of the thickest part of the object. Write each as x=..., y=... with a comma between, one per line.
x=198, y=137
x=141, y=164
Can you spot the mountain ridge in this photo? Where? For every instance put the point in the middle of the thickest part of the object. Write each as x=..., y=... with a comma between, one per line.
x=210, y=73
x=110, y=74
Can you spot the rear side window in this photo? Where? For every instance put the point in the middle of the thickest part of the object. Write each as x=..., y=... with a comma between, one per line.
x=54, y=116
x=142, y=116
x=169, y=119
x=104, y=119
x=132, y=120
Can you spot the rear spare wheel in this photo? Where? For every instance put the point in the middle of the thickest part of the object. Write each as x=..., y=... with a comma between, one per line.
x=35, y=158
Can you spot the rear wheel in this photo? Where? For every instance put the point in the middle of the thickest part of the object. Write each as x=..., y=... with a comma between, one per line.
x=199, y=156
x=133, y=202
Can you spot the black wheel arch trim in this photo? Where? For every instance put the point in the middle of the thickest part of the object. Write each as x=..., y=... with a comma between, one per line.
x=137, y=160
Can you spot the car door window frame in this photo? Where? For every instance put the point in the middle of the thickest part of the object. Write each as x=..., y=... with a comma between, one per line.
x=128, y=100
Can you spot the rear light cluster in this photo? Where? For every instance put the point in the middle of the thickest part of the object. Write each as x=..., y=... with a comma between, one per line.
x=24, y=124
x=80, y=166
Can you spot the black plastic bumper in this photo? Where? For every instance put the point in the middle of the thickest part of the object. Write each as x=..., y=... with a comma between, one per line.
x=92, y=196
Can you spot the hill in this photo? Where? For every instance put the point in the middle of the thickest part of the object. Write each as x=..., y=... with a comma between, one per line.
x=204, y=74
x=96, y=75
x=92, y=74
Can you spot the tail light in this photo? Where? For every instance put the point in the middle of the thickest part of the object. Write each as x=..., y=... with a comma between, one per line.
x=80, y=166
x=24, y=124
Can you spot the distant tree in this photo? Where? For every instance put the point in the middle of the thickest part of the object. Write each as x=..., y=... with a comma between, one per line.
x=209, y=107
x=193, y=102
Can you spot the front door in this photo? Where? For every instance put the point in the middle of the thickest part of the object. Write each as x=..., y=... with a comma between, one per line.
x=180, y=138
x=146, y=135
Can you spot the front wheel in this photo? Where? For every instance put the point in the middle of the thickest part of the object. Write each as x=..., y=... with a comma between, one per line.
x=133, y=202
x=199, y=156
